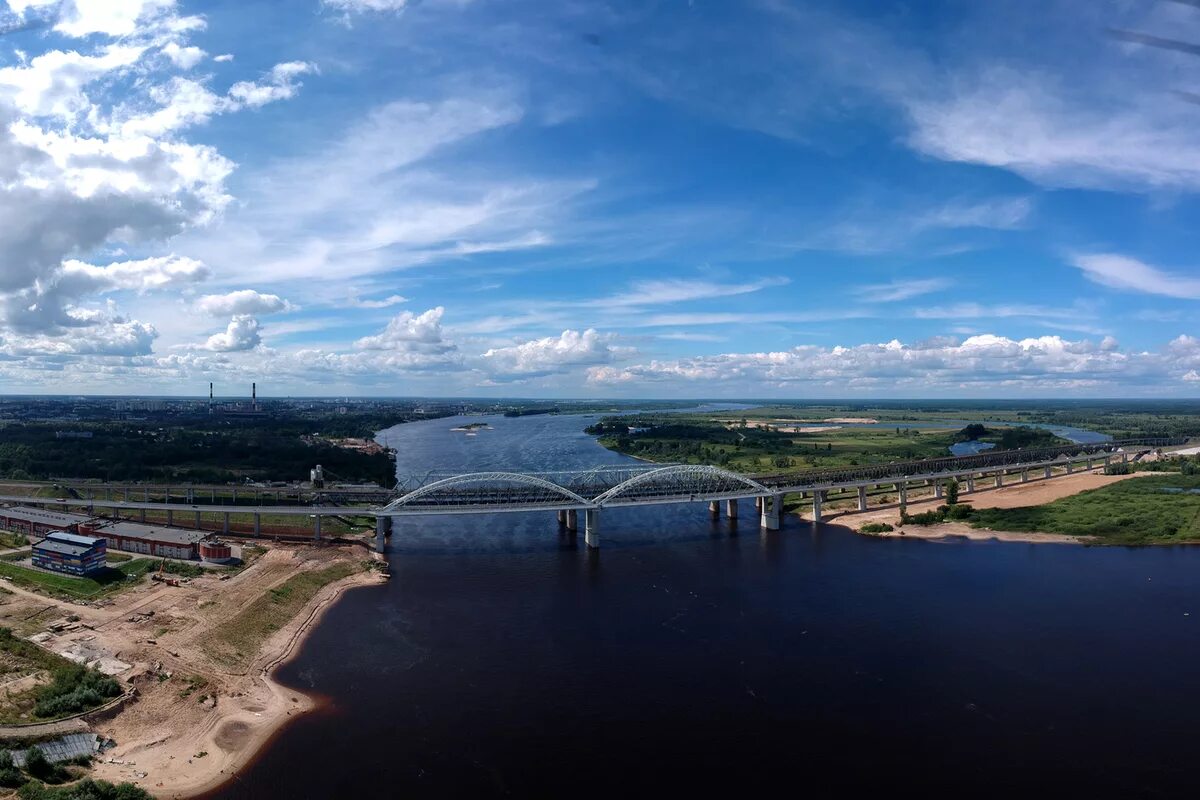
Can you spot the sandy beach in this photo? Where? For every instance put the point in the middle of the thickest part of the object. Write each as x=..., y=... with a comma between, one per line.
x=1011, y=496
x=195, y=721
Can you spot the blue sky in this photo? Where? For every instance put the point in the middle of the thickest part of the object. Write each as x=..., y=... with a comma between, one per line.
x=593, y=199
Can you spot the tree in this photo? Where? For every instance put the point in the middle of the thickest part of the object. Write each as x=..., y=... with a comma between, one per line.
x=951, y=492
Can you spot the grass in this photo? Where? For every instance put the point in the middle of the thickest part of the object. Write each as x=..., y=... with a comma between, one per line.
x=105, y=581
x=11, y=539
x=1143, y=510
x=71, y=688
x=236, y=641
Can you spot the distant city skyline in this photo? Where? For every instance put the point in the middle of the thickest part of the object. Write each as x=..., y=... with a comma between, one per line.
x=691, y=199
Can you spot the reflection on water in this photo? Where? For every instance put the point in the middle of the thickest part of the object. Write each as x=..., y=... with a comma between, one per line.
x=690, y=658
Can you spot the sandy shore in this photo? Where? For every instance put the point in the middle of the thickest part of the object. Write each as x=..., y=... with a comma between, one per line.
x=177, y=743
x=1013, y=495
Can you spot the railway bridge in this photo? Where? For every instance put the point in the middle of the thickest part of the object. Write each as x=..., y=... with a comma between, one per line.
x=567, y=494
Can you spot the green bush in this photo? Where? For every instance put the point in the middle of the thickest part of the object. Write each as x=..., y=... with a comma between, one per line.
x=876, y=527
x=86, y=789
x=38, y=766
x=74, y=689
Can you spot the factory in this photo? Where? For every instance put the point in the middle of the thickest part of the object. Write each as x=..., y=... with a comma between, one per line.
x=70, y=553
x=152, y=540
x=39, y=522
x=132, y=537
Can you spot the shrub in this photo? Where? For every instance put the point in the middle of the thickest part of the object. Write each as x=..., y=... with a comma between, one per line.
x=74, y=689
x=86, y=789
x=38, y=766
x=876, y=527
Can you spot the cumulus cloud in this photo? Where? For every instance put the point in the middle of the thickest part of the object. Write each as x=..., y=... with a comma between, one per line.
x=243, y=301
x=409, y=331
x=242, y=333
x=984, y=360
x=553, y=354
x=85, y=168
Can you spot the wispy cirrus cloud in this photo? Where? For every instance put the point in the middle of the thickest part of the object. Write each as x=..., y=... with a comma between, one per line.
x=1122, y=272
x=900, y=289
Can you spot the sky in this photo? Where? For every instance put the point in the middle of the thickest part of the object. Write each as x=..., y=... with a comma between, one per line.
x=593, y=198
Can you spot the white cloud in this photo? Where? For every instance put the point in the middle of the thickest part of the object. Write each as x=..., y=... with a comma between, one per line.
x=183, y=57
x=552, y=354
x=983, y=361
x=409, y=331
x=901, y=289
x=281, y=83
x=387, y=302
x=242, y=301
x=242, y=333
x=677, y=290
x=1122, y=272
x=223, y=58
x=365, y=5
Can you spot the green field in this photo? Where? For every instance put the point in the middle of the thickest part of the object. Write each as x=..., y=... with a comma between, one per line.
x=237, y=640
x=106, y=581
x=696, y=439
x=1155, y=509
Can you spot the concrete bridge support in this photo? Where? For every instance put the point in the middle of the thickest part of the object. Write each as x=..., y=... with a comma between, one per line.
x=381, y=526
x=572, y=520
x=1124, y=457
x=225, y=527
x=970, y=485
x=562, y=517
x=999, y=479
x=758, y=504
x=771, y=506
x=714, y=509
x=197, y=520
x=862, y=498
x=1024, y=476
x=1047, y=472
x=591, y=530
x=937, y=489
x=142, y=515
x=191, y=495
x=817, y=498
x=316, y=527
x=170, y=517
x=1070, y=467
x=731, y=509
x=258, y=525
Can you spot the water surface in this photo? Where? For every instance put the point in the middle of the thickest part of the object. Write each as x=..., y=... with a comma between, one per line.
x=688, y=658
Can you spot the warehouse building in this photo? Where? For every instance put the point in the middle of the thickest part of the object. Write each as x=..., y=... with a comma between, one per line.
x=153, y=540
x=69, y=552
x=39, y=522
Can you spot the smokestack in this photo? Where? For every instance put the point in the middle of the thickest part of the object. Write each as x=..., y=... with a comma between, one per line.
x=254, y=396
x=210, y=396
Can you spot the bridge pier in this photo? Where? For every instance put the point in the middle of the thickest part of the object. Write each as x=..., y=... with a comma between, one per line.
x=714, y=509
x=316, y=527
x=591, y=529
x=170, y=521
x=771, y=506
x=572, y=520
x=380, y=533
x=562, y=517
x=937, y=489
x=1047, y=472
x=1070, y=466
x=862, y=498
x=970, y=485
x=999, y=479
x=902, y=488
x=1024, y=476
x=731, y=510
x=191, y=495
x=142, y=515
x=1124, y=457
x=257, y=525
x=817, y=498
x=197, y=520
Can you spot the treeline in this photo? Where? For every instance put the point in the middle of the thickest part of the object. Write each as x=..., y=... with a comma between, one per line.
x=272, y=451
x=1018, y=437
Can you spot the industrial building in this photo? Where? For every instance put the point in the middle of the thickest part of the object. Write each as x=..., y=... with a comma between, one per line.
x=70, y=553
x=154, y=540
x=39, y=522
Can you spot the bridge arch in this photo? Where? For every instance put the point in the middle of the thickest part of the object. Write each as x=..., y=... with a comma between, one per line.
x=475, y=478
x=688, y=479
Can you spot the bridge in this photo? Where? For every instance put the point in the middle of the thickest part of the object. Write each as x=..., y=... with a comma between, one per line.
x=592, y=491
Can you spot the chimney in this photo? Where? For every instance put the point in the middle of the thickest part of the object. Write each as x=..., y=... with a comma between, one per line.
x=254, y=396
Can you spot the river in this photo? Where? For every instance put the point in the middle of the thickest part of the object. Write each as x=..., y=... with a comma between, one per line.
x=688, y=658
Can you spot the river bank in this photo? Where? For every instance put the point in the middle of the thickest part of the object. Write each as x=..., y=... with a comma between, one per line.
x=191, y=732
x=1014, y=495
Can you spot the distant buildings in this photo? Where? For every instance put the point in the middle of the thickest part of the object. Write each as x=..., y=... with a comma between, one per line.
x=70, y=553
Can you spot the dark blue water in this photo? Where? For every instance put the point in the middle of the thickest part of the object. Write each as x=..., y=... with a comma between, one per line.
x=690, y=658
